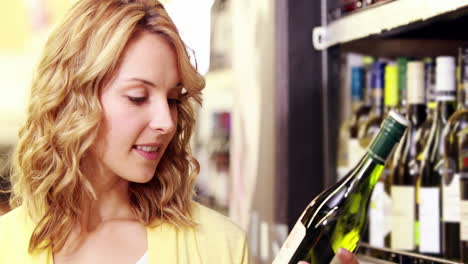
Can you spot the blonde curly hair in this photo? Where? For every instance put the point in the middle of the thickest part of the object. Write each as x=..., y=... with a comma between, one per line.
x=64, y=114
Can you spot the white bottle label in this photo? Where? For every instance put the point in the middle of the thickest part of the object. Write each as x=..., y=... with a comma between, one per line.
x=403, y=205
x=291, y=244
x=376, y=216
x=464, y=221
x=355, y=152
x=387, y=202
x=451, y=200
x=429, y=220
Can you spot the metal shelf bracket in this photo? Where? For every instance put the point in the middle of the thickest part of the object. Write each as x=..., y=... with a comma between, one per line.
x=319, y=38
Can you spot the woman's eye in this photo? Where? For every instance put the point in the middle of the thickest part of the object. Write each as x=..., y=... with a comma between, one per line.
x=174, y=101
x=137, y=100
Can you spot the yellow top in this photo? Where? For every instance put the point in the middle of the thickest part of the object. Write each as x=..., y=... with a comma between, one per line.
x=215, y=240
x=391, y=85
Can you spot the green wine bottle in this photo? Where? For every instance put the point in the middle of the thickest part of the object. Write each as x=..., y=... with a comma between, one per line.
x=460, y=137
x=457, y=123
x=381, y=203
x=369, y=129
x=407, y=168
x=336, y=218
x=463, y=167
x=349, y=130
x=432, y=165
x=402, y=81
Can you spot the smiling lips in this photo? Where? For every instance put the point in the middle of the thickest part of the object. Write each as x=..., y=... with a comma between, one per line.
x=148, y=148
x=148, y=152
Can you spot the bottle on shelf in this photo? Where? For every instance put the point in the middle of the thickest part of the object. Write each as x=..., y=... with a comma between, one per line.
x=369, y=129
x=381, y=204
x=349, y=131
x=402, y=63
x=365, y=109
x=457, y=123
x=429, y=86
x=432, y=164
x=336, y=218
x=368, y=64
x=406, y=170
x=391, y=89
x=423, y=133
x=462, y=139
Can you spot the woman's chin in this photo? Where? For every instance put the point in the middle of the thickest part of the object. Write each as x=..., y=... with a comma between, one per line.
x=141, y=179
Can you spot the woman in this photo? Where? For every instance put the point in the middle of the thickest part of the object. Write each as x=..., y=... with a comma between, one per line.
x=103, y=171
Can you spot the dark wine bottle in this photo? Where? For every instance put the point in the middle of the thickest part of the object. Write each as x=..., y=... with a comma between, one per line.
x=407, y=168
x=336, y=218
x=402, y=84
x=380, y=207
x=451, y=178
x=423, y=133
x=432, y=165
x=462, y=140
x=349, y=130
x=429, y=85
x=463, y=167
x=369, y=129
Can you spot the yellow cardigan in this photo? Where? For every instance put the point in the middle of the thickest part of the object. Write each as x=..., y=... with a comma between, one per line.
x=215, y=240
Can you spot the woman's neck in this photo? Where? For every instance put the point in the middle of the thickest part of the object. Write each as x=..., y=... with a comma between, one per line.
x=111, y=200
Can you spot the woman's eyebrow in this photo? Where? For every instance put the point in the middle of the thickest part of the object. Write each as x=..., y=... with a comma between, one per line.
x=178, y=86
x=142, y=81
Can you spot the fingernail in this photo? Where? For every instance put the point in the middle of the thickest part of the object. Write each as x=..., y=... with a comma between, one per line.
x=344, y=254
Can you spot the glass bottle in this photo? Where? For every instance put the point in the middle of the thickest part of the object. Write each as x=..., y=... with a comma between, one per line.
x=369, y=129
x=380, y=209
x=451, y=179
x=432, y=165
x=407, y=168
x=336, y=217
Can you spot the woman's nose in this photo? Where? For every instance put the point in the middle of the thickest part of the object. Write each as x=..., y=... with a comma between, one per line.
x=163, y=118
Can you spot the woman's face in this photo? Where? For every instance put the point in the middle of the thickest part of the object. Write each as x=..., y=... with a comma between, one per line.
x=139, y=106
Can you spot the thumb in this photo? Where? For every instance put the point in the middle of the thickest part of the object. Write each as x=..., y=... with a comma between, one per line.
x=344, y=256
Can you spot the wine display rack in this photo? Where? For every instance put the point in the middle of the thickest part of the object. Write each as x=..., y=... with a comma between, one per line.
x=337, y=9
x=381, y=18
x=411, y=28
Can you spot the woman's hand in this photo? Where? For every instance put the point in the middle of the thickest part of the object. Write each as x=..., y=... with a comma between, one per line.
x=343, y=256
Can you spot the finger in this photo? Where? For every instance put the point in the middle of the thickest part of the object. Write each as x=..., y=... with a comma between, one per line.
x=302, y=262
x=346, y=257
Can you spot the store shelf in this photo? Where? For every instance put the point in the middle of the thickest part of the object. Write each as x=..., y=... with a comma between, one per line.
x=369, y=254
x=382, y=18
x=395, y=47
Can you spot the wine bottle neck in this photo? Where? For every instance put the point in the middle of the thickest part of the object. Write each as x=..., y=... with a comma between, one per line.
x=403, y=82
x=417, y=114
x=462, y=96
x=445, y=109
x=377, y=101
x=389, y=108
x=392, y=129
x=355, y=105
x=368, y=86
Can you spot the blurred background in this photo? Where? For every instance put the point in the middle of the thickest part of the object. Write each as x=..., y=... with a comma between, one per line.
x=273, y=131
x=233, y=44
